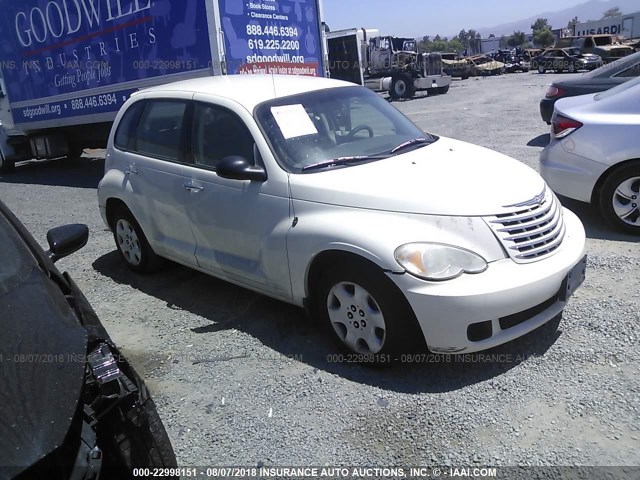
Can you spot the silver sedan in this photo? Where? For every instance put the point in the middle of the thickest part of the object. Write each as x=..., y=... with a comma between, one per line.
x=594, y=153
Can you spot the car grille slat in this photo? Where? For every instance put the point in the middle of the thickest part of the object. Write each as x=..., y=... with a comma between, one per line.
x=549, y=217
x=533, y=230
x=532, y=236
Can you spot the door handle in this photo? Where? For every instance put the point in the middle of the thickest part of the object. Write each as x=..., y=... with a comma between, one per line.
x=193, y=188
x=131, y=169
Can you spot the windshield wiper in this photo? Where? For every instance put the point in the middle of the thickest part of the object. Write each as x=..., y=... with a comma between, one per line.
x=341, y=161
x=409, y=143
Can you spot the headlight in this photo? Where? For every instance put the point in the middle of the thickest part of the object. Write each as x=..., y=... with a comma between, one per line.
x=435, y=261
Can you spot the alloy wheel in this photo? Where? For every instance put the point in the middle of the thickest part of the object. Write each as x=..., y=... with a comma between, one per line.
x=626, y=201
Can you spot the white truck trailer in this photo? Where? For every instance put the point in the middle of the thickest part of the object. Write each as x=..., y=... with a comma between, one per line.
x=69, y=65
x=626, y=26
x=384, y=63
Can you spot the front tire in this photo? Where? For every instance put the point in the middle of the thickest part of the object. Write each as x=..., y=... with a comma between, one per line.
x=402, y=87
x=620, y=198
x=132, y=244
x=541, y=69
x=365, y=312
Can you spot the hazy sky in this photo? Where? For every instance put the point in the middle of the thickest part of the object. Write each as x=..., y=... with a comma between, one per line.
x=415, y=18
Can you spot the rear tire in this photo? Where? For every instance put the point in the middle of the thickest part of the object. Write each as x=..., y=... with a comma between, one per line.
x=365, y=312
x=541, y=69
x=6, y=166
x=620, y=198
x=132, y=244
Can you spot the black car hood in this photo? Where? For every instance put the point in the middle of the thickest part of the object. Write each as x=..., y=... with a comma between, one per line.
x=42, y=350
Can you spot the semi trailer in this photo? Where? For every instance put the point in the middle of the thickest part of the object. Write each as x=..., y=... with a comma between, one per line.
x=384, y=63
x=67, y=66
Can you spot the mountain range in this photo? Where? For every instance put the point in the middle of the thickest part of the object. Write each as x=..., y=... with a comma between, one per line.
x=591, y=10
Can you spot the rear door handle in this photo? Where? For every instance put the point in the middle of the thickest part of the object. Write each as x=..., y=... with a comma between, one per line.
x=193, y=188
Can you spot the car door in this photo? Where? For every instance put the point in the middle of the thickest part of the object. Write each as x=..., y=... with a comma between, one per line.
x=239, y=226
x=153, y=152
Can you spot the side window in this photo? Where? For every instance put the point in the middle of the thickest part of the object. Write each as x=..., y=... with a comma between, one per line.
x=631, y=72
x=218, y=133
x=125, y=136
x=160, y=129
x=588, y=43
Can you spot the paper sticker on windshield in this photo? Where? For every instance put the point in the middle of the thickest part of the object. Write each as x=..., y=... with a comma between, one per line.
x=293, y=121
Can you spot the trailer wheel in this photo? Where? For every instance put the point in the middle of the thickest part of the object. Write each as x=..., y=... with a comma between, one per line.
x=6, y=166
x=402, y=87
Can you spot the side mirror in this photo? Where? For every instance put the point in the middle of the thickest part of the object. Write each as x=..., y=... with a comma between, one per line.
x=238, y=168
x=65, y=240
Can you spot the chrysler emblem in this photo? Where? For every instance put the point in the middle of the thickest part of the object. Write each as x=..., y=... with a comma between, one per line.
x=537, y=200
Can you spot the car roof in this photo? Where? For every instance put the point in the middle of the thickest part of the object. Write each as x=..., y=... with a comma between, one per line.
x=250, y=90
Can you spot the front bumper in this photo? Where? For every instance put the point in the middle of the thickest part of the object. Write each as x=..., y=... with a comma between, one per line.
x=446, y=310
x=568, y=174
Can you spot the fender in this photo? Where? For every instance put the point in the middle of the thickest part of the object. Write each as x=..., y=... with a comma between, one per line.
x=375, y=235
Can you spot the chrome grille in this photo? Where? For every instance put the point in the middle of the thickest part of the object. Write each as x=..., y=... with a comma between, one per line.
x=534, y=230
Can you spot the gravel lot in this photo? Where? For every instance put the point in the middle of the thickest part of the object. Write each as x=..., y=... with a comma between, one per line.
x=241, y=379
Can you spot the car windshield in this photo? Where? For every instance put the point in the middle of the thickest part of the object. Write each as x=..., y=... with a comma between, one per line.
x=611, y=68
x=17, y=262
x=617, y=89
x=336, y=127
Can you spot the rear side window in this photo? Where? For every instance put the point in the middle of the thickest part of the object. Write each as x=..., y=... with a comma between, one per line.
x=159, y=132
x=630, y=72
x=125, y=136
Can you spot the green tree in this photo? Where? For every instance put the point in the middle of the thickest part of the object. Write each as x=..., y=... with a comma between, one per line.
x=455, y=45
x=612, y=12
x=540, y=24
x=543, y=38
x=504, y=41
x=463, y=36
x=517, y=39
x=571, y=27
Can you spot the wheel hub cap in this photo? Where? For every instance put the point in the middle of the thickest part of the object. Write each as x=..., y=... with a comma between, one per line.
x=625, y=201
x=356, y=318
x=128, y=242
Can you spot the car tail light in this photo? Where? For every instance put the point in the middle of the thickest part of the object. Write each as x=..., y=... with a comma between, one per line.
x=562, y=126
x=555, y=92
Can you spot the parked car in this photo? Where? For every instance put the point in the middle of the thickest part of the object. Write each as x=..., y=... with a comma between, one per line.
x=516, y=63
x=565, y=60
x=74, y=406
x=608, y=47
x=595, y=81
x=483, y=66
x=594, y=151
x=454, y=66
x=320, y=193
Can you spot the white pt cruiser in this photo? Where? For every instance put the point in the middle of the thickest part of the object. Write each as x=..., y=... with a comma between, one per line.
x=321, y=194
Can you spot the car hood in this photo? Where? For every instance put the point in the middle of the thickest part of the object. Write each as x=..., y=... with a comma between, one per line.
x=448, y=177
x=42, y=375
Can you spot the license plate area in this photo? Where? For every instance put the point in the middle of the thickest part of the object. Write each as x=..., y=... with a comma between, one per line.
x=573, y=280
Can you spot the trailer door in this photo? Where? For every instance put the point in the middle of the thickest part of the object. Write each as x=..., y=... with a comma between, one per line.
x=627, y=27
x=344, y=58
